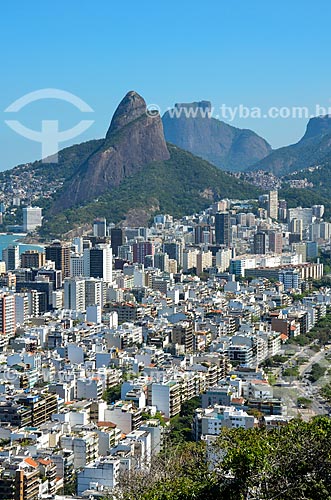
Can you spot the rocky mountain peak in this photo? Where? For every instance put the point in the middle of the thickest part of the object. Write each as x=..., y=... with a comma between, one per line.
x=130, y=108
x=203, y=106
x=191, y=126
x=319, y=125
x=121, y=155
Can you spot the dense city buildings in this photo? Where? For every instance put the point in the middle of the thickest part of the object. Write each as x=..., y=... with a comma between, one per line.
x=105, y=338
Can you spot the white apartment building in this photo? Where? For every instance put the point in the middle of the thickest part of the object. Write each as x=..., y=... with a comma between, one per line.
x=166, y=396
x=74, y=294
x=32, y=218
x=211, y=421
x=102, y=472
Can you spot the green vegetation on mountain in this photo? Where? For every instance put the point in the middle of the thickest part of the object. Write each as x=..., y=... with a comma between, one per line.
x=67, y=162
x=181, y=185
x=320, y=177
x=306, y=198
x=292, y=462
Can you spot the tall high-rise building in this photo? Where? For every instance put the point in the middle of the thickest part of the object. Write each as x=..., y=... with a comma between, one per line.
x=242, y=219
x=125, y=252
x=11, y=257
x=161, y=261
x=94, y=293
x=32, y=218
x=76, y=265
x=296, y=227
x=202, y=233
x=314, y=231
x=175, y=251
x=204, y=260
x=59, y=253
x=260, y=243
x=282, y=210
x=301, y=249
x=98, y=262
x=304, y=214
x=250, y=219
x=273, y=204
x=78, y=244
x=222, y=229
x=290, y=278
x=141, y=249
x=275, y=242
x=52, y=275
x=74, y=294
x=22, y=307
x=7, y=314
x=117, y=239
x=325, y=230
x=222, y=258
x=100, y=228
x=318, y=211
x=189, y=258
x=32, y=259
x=183, y=334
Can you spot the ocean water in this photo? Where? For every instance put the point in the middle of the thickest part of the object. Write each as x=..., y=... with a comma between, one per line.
x=10, y=239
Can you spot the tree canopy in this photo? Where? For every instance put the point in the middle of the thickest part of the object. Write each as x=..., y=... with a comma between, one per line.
x=287, y=463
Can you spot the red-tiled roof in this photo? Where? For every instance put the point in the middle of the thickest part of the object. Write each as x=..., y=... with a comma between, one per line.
x=31, y=462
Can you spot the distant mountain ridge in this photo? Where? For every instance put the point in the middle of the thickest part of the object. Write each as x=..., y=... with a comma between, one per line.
x=133, y=173
x=312, y=149
x=190, y=126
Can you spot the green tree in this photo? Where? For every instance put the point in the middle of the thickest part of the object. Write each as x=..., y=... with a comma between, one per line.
x=288, y=463
x=112, y=394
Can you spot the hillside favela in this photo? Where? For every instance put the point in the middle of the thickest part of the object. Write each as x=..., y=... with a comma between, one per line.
x=165, y=268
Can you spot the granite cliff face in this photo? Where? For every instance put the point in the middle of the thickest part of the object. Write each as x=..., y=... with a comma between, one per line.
x=313, y=149
x=134, y=139
x=191, y=127
x=318, y=126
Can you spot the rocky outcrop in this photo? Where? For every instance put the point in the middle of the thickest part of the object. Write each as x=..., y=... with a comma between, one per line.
x=134, y=139
x=318, y=126
x=190, y=126
x=313, y=149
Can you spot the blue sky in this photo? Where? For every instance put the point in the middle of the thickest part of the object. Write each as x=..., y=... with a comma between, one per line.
x=255, y=53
